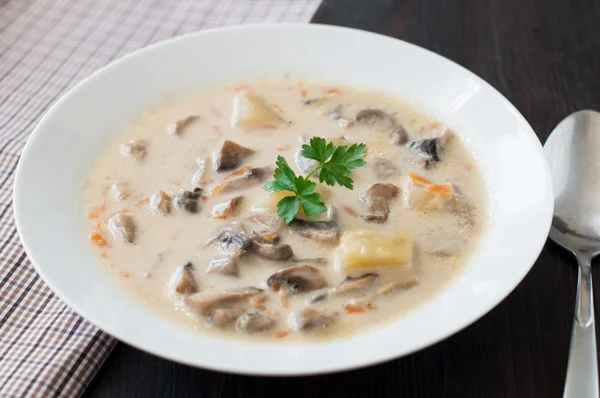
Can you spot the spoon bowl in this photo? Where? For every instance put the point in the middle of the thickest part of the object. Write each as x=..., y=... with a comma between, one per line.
x=572, y=151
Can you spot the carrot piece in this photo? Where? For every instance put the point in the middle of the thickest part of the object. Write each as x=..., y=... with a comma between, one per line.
x=285, y=297
x=303, y=93
x=332, y=91
x=281, y=334
x=94, y=212
x=284, y=148
x=418, y=179
x=443, y=189
x=350, y=211
x=354, y=308
x=435, y=125
x=97, y=239
x=239, y=172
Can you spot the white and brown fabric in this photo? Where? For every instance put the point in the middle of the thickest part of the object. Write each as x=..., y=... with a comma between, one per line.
x=46, y=47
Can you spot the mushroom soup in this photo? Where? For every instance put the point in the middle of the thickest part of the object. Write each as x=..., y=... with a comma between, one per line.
x=179, y=215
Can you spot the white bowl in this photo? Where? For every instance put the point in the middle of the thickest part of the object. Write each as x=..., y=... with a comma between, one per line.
x=48, y=187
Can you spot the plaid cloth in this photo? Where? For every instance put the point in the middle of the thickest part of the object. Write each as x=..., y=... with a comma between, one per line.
x=46, y=47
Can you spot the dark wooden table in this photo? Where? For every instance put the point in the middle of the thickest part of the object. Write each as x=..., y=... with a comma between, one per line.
x=544, y=56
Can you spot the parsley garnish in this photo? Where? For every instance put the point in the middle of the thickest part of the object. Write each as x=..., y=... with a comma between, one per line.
x=334, y=167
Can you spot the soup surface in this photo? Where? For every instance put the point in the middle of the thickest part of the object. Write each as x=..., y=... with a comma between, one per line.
x=177, y=211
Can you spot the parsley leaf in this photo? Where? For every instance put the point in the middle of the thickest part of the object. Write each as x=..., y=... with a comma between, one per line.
x=335, y=163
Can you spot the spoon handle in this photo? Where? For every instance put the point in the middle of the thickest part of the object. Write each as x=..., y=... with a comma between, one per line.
x=582, y=370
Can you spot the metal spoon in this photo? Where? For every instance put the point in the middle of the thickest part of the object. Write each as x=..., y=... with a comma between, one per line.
x=573, y=152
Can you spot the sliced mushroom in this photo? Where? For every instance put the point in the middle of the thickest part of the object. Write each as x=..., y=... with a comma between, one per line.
x=320, y=231
x=252, y=111
x=134, y=150
x=306, y=165
x=350, y=285
x=250, y=178
x=227, y=264
x=427, y=152
x=375, y=117
x=271, y=251
x=399, y=136
x=160, y=203
x=402, y=284
x=353, y=284
x=266, y=219
x=336, y=114
x=225, y=210
x=297, y=279
x=122, y=228
x=184, y=281
x=383, y=168
x=204, y=301
x=312, y=101
x=255, y=321
x=180, y=125
x=231, y=155
x=231, y=237
x=312, y=318
x=222, y=317
x=188, y=200
x=121, y=191
x=375, y=199
x=200, y=176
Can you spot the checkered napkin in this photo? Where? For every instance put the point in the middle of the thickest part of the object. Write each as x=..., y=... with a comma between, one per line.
x=46, y=47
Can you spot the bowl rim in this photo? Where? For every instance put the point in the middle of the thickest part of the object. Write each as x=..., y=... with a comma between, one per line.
x=233, y=368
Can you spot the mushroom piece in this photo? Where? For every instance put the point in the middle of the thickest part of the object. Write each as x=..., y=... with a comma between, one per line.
x=250, y=178
x=231, y=155
x=200, y=176
x=297, y=279
x=255, y=321
x=383, y=168
x=312, y=101
x=122, y=228
x=350, y=285
x=121, y=191
x=271, y=251
x=160, y=203
x=375, y=199
x=221, y=317
x=207, y=300
x=312, y=318
x=375, y=117
x=225, y=264
x=184, y=281
x=402, y=284
x=320, y=231
x=399, y=136
x=306, y=165
x=134, y=150
x=336, y=114
x=427, y=152
x=224, y=210
x=269, y=220
x=188, y=200
x=231, y=237
x=180, y=125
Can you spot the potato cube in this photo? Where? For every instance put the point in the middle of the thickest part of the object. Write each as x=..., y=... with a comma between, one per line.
x=367, y=248
x=251, y=111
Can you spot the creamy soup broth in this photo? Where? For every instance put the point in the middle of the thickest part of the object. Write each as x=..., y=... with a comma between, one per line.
x=444, y=225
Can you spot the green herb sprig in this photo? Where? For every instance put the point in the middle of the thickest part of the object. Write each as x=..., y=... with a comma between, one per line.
x=335, y=163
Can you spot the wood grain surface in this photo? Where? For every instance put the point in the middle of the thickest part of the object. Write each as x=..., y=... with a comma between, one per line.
x=544, y=56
